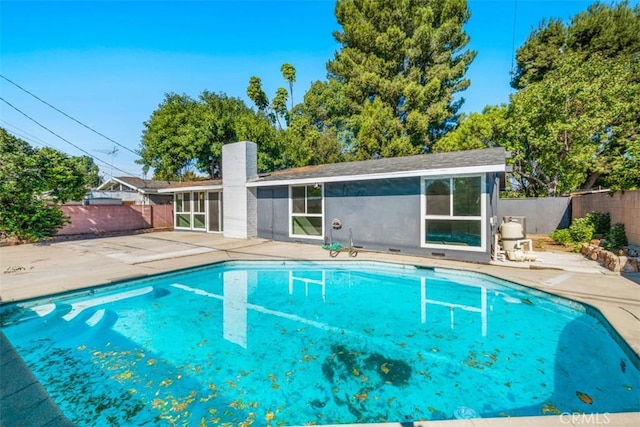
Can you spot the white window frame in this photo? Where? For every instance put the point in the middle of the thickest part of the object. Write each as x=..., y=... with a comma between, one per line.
x=183, y=211
x=291, y=214
x=482, y=217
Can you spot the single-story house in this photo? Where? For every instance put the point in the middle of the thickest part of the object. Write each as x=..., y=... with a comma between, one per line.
x=436, y=205
x=131, y=190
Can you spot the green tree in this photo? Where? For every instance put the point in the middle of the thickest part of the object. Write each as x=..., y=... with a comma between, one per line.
x=577, y=126
x=402, y=61
x=33, y=182
x=606, y=31
x=277, y=108
x=478, y=130
x=171, y=137
x=289, y=74
x=185, y=134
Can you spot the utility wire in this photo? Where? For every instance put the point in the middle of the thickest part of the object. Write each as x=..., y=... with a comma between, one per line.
x=513, y=35
x=26, y=135
x=65, y=140
x=68, y=116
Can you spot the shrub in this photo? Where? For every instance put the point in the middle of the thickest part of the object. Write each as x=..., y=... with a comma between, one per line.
x=562, y=236
x=601, y=222
x=616, y=238
x=581, y=230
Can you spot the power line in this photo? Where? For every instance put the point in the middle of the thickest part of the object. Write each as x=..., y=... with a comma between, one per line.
x=513, y=35
x=26, y=135
x=66, y=115
x=65, y=140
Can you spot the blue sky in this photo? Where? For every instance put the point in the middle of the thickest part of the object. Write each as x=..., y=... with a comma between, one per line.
x=109, y=64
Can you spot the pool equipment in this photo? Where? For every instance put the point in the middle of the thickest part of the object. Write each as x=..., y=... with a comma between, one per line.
x=514, y=242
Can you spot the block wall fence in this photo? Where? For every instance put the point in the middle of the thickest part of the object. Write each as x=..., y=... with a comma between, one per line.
x=622, y=207
x=104, y=219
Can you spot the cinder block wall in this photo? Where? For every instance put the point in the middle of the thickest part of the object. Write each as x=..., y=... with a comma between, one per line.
x=622, y=207
x=103, y=219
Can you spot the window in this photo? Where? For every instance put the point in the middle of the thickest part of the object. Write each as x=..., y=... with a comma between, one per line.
x=199, y=216
x=183, y=207
x=306, y=211
x=452, y=212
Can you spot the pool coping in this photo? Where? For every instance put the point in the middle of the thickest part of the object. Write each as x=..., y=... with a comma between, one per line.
x=618, y=300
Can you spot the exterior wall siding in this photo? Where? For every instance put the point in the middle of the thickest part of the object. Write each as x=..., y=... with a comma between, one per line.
x=384, y=215
x=104, y=219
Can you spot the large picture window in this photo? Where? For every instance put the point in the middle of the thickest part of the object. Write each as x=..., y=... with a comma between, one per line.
x=306, y=211
x=452, y=212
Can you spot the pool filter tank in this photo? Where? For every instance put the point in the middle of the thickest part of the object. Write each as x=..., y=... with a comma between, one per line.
x=510, y=233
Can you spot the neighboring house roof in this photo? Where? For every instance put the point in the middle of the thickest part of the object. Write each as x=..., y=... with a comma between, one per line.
x=459, y=162
x=200, y=185
x=145, y=186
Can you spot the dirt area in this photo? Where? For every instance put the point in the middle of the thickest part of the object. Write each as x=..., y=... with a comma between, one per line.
x=544, y=243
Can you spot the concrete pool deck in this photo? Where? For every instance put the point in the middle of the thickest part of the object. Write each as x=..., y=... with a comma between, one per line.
x=31, y=271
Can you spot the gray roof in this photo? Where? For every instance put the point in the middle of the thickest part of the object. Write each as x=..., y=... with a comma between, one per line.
x=150, y=185
x=420, y=163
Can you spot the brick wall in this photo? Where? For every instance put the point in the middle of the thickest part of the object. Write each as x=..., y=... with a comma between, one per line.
x=104, y=219
x=622, y=207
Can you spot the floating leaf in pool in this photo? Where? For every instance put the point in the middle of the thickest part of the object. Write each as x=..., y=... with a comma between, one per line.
x=270, y=416
x=361, y=396
x=166, y=383
x=384, y=368
x=584, y=397
x=508, y=384
x=527, y=301
x=203, y=342
x=623, y=366
x=628, y=387
x=355, y=372
x=81, y=347
x=548, y=408
x=150, y=362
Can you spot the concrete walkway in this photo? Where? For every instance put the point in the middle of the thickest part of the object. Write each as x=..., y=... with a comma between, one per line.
x=31, y=271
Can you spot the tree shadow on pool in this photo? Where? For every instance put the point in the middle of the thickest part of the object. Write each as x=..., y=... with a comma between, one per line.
x=594, y=372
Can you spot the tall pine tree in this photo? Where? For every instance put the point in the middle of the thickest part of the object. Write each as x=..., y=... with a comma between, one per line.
x=400, y=65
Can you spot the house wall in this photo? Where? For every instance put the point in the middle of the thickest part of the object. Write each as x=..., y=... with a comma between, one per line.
x=104, y=219
x=384, y=215
x=622, y=207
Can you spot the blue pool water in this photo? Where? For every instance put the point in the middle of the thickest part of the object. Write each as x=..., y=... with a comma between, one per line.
x=296, y=343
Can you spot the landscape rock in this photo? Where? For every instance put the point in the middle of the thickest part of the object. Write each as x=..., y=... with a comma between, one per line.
x=627, y=261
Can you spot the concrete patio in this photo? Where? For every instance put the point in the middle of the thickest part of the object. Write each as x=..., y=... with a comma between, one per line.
x=30, y=271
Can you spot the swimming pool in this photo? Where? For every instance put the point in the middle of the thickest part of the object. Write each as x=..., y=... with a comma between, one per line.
x=285, y=343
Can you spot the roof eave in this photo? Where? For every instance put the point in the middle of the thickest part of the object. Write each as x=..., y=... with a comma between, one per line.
x=191, y=188
x=469, y=170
